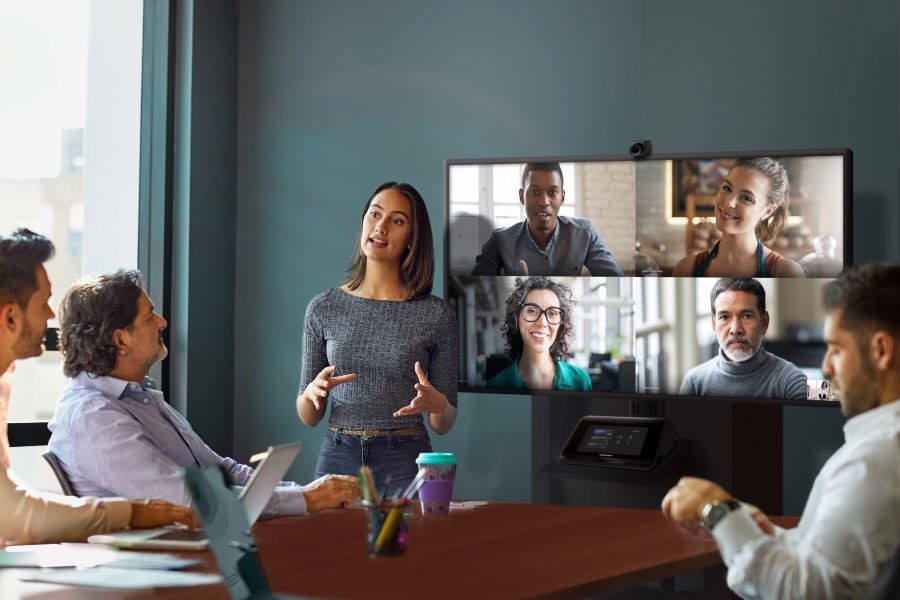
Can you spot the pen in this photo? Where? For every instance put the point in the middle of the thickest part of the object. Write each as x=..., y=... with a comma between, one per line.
x=415, y=483
x=387, y=482
x=391, y=523
x=370, y=483
x=415, y=490
x=363, y=485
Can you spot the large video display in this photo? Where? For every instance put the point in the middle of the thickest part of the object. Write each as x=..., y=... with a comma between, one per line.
x=697, y=276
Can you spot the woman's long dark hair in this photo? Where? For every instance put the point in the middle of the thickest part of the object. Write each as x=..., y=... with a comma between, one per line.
x=417, y=262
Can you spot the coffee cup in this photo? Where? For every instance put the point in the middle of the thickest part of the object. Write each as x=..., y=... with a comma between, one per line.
x=437, y=488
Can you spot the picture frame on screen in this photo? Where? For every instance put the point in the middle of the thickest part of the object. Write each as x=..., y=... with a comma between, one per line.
x=562, y=273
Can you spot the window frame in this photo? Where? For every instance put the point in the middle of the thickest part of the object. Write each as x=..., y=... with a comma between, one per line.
x=154, y=190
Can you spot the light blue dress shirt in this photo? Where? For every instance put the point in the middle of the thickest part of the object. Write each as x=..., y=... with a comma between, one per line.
x=119, y=438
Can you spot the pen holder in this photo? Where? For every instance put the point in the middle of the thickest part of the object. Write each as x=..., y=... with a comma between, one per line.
x=387, y=528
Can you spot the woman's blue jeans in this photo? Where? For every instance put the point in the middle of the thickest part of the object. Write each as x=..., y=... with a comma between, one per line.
x=390, y=455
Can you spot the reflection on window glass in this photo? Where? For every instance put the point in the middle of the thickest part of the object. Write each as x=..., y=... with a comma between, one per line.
x=62, y=94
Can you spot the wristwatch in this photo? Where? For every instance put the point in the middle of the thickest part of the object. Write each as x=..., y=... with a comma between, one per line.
x=717, y=510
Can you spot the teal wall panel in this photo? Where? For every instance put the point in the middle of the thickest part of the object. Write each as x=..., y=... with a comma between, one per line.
x=336, y=97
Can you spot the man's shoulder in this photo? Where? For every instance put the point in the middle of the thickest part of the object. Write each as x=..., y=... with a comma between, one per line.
x=784, y=366
x=79, y=401
x=81, y=390
x=576, y=224
x=508, y=232
x=708, y=366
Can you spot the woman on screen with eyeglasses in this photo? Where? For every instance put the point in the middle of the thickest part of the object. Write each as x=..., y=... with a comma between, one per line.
x=751, y=208
x=381, y=347
x=538, y=332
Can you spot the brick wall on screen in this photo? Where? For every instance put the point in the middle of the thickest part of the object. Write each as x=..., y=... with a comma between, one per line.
x=607, y=197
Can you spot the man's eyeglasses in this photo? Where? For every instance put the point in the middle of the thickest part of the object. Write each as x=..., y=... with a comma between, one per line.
x=532, y=312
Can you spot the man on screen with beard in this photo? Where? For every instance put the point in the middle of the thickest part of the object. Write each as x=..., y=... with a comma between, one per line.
x=742, y=367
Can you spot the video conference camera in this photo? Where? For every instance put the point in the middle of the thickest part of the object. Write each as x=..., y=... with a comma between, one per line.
x=640, y=149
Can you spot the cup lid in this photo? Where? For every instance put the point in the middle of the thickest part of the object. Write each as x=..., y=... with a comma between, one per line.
x=436, y=458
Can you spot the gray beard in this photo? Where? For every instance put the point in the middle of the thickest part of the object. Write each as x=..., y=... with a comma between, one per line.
x=740, y=356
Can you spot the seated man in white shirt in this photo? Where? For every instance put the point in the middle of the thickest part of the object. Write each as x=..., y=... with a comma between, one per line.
x=847, y=541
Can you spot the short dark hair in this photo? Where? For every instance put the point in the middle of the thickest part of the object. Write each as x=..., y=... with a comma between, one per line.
x=738, y=284
x=417, y=264
x=21, y=253
x=547, y=167
x=867, y=296
x=510, y=327
x=90, y=312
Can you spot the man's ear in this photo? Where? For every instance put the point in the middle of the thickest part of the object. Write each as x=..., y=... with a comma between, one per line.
x=10, y=318
x=765, y=322
x=562, y=192
x=522, y=196
x=121, y=340
x=882, y=350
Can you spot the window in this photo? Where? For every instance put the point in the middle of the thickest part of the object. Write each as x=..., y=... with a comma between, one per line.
x=69, y=150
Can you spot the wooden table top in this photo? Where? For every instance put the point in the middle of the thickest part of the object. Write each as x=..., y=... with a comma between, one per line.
x=499, y=551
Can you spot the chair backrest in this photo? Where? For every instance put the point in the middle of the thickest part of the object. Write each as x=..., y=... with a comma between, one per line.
x=61, y=477
x=893, y=589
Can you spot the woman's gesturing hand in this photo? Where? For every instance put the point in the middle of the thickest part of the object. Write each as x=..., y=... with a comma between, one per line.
x=428, y=398
x=317, y=390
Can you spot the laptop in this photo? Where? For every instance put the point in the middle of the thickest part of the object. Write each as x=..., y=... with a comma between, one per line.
x=253, y=498
x=230, y=538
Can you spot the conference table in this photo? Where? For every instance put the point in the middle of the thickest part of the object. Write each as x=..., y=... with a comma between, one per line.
x=498, y=550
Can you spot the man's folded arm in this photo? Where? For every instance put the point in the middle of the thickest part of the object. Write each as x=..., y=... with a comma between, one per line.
x=852, y=536
x=28, y=518
x=287, y=499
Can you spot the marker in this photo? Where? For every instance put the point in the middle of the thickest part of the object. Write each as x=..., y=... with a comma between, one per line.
x=389, y=529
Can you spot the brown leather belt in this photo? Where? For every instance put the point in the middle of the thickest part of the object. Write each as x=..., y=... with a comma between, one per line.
x=369, y=433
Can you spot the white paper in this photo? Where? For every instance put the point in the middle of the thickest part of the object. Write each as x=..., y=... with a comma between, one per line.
x=89, y=555
x=467, y=504
x=122, y=579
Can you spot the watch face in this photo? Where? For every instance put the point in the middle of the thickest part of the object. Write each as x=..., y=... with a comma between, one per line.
x=715, y=512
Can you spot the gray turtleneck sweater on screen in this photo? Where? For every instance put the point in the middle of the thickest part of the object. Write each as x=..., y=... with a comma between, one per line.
x=763, y=376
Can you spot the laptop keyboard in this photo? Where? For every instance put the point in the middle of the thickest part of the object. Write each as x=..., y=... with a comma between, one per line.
x=183, y=535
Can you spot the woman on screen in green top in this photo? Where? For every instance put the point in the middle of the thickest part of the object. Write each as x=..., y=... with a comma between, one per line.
x=538, y=331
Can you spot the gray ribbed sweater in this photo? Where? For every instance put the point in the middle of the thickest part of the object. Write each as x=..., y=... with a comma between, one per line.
x=380, y=341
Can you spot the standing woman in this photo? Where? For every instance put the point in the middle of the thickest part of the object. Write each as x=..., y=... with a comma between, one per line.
x=381, y=347
x=751, y=208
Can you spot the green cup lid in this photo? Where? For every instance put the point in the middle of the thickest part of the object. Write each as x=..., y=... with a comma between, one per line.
x=436, y=458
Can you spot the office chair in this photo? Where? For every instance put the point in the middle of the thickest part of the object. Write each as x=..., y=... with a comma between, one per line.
x=61, y=477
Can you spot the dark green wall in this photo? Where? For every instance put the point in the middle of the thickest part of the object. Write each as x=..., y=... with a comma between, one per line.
x=336, y=97
x=202, y=307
